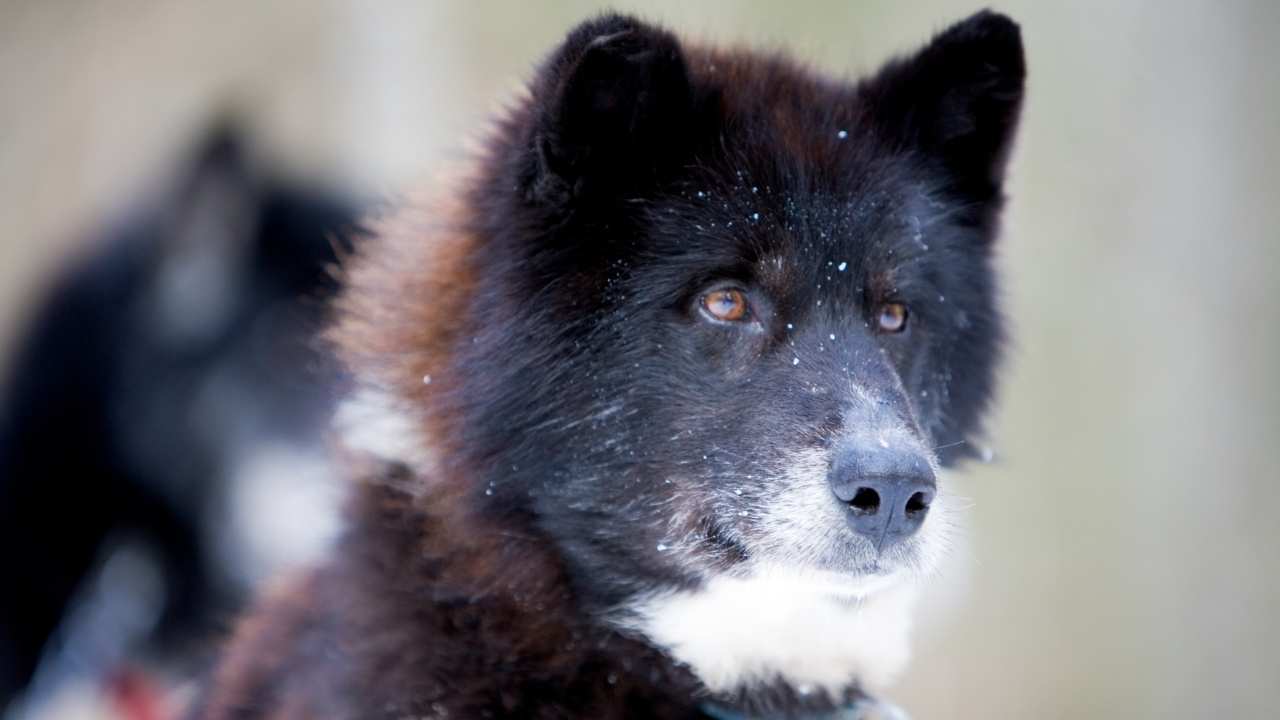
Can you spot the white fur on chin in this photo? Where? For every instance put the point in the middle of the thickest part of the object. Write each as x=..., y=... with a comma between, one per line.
x=812, y=630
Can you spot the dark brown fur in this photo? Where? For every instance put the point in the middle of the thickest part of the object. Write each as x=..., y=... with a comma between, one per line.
x=431, y=614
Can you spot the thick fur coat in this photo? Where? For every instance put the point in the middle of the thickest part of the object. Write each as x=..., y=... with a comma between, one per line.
x=624, y=390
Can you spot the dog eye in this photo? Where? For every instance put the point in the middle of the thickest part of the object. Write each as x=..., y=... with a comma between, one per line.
x=892, y=317
x=726, y=305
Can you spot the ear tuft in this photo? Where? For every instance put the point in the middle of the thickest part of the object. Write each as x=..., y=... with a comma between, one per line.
x=608, y=104
x=957, y=100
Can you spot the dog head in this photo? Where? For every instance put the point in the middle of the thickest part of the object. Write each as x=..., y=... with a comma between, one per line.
x=724, y=321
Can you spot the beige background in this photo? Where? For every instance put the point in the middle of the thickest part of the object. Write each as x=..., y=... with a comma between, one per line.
x=1123, y=552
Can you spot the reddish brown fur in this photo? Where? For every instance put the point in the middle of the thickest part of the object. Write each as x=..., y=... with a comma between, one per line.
x=405, y=304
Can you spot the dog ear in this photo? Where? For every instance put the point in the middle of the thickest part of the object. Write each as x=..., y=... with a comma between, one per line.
x=608, y=106
x=957, y=101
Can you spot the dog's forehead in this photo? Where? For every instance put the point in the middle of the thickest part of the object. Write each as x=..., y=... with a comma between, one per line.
x=825, y=239
x=796, y=216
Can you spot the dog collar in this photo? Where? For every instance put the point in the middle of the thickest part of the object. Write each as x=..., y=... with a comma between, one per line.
x=863, y=709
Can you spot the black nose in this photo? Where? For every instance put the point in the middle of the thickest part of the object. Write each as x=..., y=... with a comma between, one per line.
x=887, y=491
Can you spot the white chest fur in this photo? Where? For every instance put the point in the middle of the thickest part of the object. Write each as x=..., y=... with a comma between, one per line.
x=815, y=634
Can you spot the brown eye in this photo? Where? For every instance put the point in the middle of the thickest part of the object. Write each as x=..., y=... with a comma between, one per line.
x=727, y=305
x=893, y=317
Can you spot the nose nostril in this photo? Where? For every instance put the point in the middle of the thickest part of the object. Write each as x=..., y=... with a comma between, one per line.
x=866, y=500
x=917, y=503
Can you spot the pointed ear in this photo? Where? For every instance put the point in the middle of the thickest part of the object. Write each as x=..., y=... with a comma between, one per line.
x=608, y=107
x=218, y=200
x=957, y=100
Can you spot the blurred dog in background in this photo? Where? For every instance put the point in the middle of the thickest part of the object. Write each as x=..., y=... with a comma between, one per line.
x=161, y=429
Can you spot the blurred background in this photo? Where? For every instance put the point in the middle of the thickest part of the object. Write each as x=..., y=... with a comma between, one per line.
x=1123, y=557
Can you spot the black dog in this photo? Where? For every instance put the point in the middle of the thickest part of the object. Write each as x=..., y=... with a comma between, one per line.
x=155, y=369
x=659, y=396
